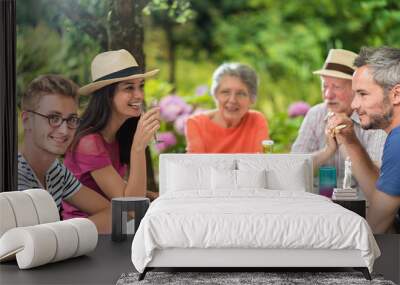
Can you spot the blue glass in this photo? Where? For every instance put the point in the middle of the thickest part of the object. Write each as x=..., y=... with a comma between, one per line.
x=327, y=180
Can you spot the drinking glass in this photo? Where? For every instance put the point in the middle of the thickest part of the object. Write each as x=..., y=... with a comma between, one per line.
x=327, y=180
x=268, y=146
x=153, y=103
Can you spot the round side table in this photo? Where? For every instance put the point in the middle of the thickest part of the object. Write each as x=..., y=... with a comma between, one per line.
x=120, y=207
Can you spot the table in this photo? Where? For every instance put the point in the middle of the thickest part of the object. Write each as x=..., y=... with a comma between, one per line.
x=120, y=207
x=358, y=206
x=104, y=265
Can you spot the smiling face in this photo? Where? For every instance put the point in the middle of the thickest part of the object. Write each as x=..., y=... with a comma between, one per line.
x=128, y=98
x=370, y=101
x=337, y=94
x=47, y=139
x=233, y=99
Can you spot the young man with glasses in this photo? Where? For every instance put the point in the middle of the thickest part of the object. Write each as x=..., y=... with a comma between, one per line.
x=49, y=118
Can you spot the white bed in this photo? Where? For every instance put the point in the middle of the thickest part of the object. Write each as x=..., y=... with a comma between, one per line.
x=246, y=210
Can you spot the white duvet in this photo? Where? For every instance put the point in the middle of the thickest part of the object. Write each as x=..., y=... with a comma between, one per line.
x=253, y=218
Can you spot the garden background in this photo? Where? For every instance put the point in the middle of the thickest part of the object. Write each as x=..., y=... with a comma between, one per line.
x=283, y=40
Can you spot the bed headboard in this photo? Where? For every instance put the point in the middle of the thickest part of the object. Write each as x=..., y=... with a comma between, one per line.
x=287, y=170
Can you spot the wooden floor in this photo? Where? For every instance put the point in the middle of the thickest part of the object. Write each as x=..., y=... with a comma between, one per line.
x=106, y=264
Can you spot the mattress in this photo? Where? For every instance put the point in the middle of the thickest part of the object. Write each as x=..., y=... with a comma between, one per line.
x=251, y=219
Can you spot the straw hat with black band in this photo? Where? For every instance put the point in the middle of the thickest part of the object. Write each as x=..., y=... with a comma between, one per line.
x=339, y=63
x=114, y=66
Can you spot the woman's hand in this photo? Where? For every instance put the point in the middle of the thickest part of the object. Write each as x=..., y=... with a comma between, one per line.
x=147, y=126
x=152, y=195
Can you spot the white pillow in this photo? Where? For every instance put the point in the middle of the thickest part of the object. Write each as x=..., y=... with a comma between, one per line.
x=189, y=174
x=282, y=173
x=292, y=180
x=184, y=177
x=251, y=178
x=236, y=179
x=223, y=179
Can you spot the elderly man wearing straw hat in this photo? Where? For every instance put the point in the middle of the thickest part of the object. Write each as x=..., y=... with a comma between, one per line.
x=336, y=76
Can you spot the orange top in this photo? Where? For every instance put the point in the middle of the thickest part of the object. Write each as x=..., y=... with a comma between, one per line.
x=205, y=136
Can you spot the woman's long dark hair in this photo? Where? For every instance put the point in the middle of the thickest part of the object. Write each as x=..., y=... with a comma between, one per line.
x=96, y=116
x=125, y=138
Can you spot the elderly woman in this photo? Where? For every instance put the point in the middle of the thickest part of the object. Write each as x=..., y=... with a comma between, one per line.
x=232, y=127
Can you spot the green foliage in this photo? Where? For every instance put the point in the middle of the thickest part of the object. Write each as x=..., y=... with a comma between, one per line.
x=69, y=54
x=155, y=89
x=283, y=131
x=286, y=40
x=283, y=40
x=36, y=57
x=178, y=11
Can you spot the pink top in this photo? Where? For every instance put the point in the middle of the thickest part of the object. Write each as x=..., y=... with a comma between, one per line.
x=91, y=153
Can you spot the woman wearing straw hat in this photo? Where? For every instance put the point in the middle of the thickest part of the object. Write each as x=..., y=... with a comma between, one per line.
x=113, y=132
x=232, y=127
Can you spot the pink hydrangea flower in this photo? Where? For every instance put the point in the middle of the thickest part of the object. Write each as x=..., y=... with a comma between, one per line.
x=173, y=106
x=167, y=139
x=201, y=90
x=180, y=124
x=298, y=109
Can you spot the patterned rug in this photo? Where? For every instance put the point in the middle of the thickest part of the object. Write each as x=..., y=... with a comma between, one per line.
x=272, y=278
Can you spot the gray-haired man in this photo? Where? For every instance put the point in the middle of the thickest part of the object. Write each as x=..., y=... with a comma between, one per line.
x=336, y=76
x=376, y=84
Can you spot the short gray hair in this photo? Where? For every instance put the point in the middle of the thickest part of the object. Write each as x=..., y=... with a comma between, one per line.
x=244, y=72
x=384, y=63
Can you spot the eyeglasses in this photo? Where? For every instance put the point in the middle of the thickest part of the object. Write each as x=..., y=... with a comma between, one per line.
x=56, y=120
x=239, y=95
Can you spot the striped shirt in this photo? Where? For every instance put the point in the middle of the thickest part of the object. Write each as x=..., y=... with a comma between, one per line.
x=60, y=182
x=311, y=138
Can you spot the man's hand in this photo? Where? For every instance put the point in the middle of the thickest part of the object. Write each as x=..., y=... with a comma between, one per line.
x=331, y=143
x=323, y=155
x=341, y=127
